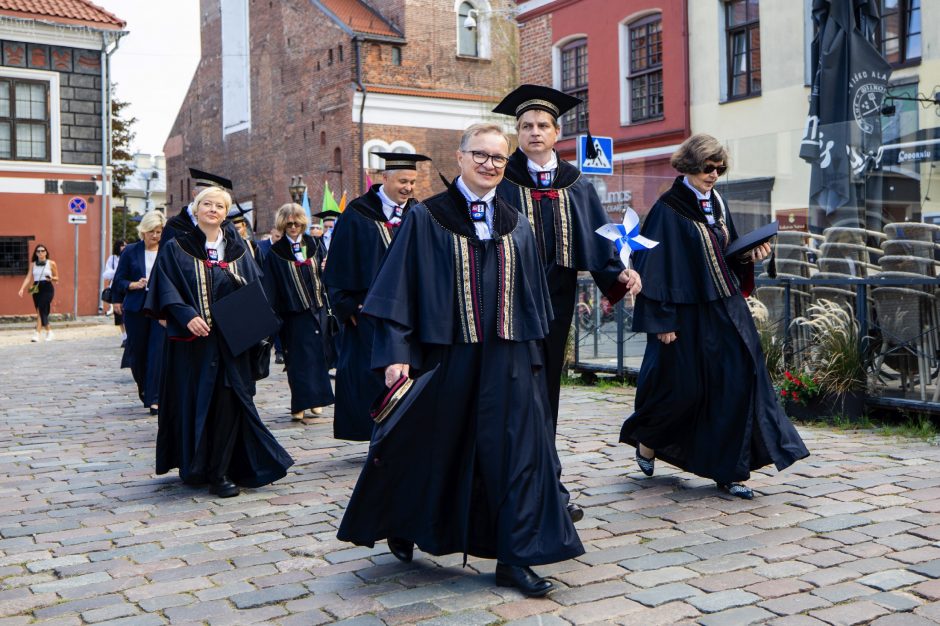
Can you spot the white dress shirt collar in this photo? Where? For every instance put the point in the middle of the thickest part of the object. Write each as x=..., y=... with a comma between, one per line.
x=485, y=228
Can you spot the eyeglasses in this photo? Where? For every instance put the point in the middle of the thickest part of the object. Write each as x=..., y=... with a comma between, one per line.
x=708, y=168
x=293, y=224
x=499, y=161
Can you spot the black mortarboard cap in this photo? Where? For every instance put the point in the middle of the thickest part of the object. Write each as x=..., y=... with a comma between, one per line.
x=590, y=150
x=401, y=160
x=329, y=213
x=527, y=97
x=388, y=408
x=244, y=317
x=237, y=213
x=206, y=179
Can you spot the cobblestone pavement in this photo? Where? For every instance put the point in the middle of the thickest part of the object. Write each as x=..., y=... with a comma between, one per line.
x=88, y=534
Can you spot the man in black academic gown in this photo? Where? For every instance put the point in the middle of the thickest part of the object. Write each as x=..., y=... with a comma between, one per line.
x=356, y=248
x=564, y=211
x=470, y=466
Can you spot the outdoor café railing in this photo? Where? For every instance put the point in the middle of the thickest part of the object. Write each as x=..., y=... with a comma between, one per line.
x=898, y=331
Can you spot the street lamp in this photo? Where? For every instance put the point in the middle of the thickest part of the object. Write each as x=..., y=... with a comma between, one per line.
x=148, y=178
x=297, y=189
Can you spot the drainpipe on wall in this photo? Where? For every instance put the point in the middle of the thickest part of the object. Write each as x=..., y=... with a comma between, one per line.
x=105, y=152
x=362, y=106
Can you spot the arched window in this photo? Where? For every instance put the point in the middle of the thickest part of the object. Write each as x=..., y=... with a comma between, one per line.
x=337, y=157
x=467, y=30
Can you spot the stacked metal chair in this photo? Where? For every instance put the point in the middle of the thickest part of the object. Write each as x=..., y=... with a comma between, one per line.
x=793, y=252
x=907, y=315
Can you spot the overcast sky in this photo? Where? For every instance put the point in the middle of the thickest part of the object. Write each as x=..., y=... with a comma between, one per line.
x=154, y=63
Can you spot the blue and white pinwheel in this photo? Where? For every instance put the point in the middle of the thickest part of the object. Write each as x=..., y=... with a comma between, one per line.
x=626, y=236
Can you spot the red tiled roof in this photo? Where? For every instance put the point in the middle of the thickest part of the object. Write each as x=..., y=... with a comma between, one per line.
x=66, y=11
x=360, y=17
x=446, y=95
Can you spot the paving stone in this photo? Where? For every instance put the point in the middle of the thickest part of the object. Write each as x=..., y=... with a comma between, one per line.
x=271, y=595
x=605, y=610
x=891, y=579
x=796, y=603
x=929, y=589
x=896, y=601
x=661, y=576
x=736, y=617
x=903, y=619
x=590, y=593
x=859, y=612
x=664, y=593
x=468, y=618
x=930, y=569
x=723, y=600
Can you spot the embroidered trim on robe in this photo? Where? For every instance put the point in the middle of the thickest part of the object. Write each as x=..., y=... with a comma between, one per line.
x=384, y=233
x=507, y=276
x=466, y=285
x=203, y=287
x=561, y=208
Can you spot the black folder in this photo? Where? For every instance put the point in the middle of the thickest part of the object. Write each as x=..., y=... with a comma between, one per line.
x=244, y=317
x=751, y=240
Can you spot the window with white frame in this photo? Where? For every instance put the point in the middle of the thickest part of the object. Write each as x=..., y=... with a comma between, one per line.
x=646, y=69
x=574, y=82
x=24, y=120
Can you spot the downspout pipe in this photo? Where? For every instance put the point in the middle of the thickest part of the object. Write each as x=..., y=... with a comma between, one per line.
x=362, y=106
x=106, y=221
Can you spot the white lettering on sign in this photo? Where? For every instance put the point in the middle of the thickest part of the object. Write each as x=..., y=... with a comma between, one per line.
x=904, y=157
x=618, y=197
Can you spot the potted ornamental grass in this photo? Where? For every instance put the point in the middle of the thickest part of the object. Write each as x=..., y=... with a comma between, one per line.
x=835, y=361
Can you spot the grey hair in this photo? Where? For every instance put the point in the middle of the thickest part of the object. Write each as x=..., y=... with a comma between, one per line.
x=694, y=151
x=482, y=128
x=151, y=220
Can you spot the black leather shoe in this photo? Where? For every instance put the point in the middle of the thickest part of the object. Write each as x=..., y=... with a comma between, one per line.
x=279, y=358
x=647, y=466
x=575, y=512
x=737, y=490
x=224, y=488
x=523, y=579
x=403, y=549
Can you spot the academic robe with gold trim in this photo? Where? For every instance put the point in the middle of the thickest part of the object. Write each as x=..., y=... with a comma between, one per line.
x=564, y=221
x=182, y=285
x=705, y=402
x=471, y=466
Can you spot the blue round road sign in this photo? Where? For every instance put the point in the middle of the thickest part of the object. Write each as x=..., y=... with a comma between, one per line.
x=77, y=206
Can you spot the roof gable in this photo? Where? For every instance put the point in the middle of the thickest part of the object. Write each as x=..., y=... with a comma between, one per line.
x=80, y=12
x=358, y=17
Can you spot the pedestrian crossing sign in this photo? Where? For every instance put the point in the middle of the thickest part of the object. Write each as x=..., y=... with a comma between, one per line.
x=603, y=163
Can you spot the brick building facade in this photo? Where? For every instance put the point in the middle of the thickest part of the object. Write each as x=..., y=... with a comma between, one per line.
x=307, y=70
x=53, y=69
x=617, y=56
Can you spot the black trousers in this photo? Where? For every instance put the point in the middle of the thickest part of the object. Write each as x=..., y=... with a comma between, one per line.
x=43, y=300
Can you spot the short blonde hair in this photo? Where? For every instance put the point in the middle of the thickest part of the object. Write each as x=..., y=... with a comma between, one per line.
x=212, y=191
x=151, y=220
x=482, y=128
x=290, y=212
x=694, y=151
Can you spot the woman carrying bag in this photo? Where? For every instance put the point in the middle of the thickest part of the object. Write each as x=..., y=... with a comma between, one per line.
x=208, y=426
x=43, y=274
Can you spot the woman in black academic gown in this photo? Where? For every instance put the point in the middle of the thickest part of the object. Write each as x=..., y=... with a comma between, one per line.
x=292, y=282
x=143, y=350
x=208, y=425
x=705, y=402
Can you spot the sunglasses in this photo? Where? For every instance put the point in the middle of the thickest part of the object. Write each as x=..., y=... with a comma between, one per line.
x=293, y=224
x=38, y=250
x=708, y=168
